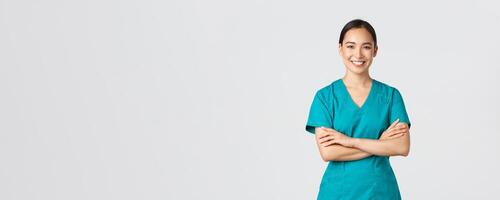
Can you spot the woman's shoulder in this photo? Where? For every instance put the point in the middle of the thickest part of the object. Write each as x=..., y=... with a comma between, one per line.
x=329, y=89
x=326, y=93
x=386, y=89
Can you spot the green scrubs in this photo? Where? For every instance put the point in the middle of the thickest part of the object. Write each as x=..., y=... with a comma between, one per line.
x=371, y=177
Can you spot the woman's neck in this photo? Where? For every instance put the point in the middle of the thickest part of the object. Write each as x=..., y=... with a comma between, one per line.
x=357, y=80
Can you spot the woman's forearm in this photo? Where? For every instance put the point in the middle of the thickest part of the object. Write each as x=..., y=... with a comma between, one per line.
x=341, y=153
x=392, y=147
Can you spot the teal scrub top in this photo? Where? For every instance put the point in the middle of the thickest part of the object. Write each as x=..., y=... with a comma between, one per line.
x=371, y=177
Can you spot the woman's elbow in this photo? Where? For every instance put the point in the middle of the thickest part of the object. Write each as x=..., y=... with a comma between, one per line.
x=325, y=156
x=404, y=151
x=332, y=156
x=328, y=156
x=403, y=148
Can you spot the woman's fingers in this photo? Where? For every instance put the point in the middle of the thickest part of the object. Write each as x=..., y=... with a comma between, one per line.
x=327, y=131
x=325, y=139
x=404, y=128
x=320, y=132
x=403, y=124
x=398, y=132
x=393, y=135
x=395, y=132
x=396, y=135
x=330, y=142
x=398, y=127
x=325, y=136
x=394, y=124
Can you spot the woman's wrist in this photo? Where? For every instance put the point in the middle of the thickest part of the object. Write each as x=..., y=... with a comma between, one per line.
x=353, y=142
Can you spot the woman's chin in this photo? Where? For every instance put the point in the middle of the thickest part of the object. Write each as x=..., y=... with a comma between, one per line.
x=358, y=69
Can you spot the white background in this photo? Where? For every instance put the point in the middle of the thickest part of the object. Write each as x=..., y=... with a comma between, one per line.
x=209, y=99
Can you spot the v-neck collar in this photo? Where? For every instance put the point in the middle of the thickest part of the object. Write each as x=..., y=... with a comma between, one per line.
x=351, y=100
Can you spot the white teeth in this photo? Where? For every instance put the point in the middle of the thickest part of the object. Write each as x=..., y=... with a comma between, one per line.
x=358, y=62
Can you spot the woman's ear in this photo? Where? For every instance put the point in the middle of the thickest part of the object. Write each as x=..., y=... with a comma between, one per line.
x=340, y=49
x=375, y=50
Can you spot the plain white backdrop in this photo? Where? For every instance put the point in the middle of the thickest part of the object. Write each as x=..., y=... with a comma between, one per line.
x=208, y=99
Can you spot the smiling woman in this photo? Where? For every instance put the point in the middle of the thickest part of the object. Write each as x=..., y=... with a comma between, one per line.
x=358, y=46
x=359, y=123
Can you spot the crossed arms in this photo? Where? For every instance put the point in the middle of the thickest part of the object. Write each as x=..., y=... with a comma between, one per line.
x=335, y=146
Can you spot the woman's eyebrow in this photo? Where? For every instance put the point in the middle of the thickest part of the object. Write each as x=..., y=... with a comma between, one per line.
x=368, y=43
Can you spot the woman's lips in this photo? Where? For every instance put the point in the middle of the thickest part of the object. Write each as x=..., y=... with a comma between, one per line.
x=358, y=63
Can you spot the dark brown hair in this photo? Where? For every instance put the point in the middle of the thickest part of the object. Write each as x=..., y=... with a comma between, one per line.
x=358, y=23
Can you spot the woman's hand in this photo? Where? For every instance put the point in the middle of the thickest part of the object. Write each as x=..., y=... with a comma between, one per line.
x=395, y=130
x=327, y=137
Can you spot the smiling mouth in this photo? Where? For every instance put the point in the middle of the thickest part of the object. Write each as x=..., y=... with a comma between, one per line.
x=358, y=63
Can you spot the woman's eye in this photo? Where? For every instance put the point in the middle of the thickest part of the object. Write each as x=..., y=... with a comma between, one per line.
x=350, y=46
x=368, y=47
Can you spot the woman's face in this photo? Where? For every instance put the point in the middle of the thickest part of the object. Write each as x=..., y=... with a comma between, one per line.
x=357, y=50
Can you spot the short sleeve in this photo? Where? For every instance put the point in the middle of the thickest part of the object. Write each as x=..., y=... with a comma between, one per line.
x=320, y=113
x=398, y=109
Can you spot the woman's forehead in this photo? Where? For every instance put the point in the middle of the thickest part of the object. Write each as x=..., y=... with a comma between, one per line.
x=358, y=36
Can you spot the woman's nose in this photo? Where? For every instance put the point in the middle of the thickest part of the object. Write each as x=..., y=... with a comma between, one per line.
x=357, y=53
